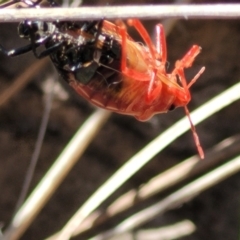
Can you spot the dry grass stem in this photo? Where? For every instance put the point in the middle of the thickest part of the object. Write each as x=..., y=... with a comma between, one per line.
x=174, y=231
x=216, y=11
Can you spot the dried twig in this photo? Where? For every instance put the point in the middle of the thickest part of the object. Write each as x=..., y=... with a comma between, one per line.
x=215, y=11
x=174, y=231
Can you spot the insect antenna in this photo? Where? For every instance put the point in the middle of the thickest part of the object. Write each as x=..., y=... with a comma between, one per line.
x=104, y=78
x=115, y=70
x=101, y=75
x=196, y=77
x=195, y=135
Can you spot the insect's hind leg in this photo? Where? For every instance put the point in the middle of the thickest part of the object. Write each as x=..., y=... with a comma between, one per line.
x=125, y=44
x=144, y=34
x=161, y=45
x=159, y=54
x=152, y=91
x=187, y=62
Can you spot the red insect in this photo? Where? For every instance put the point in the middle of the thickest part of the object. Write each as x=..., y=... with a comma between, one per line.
x=146, y=88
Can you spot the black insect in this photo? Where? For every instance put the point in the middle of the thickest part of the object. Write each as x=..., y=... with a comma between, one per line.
x=80, y=51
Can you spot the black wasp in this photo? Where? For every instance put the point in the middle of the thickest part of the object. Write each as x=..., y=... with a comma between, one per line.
x=81, y=51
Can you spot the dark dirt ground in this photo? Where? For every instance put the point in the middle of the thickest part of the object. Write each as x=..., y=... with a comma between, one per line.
x=215, y=212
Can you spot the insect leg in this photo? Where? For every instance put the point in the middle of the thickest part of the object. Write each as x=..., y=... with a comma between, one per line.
x=46, y=52
x=186, y=62
x=155, y=87
x=188, y=58
x=185, y=97
x=144, y=34
x=125, y=44
x=161, y=49
x=153, y=91
x=17, y=51
x=161, y=44
x=28, y=48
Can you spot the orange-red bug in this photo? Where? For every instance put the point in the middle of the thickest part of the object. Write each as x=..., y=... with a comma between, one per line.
x=146, y=88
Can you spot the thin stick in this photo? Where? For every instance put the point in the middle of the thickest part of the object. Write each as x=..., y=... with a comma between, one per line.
x=145, y=155
x=216, y=11
x=55, y=175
